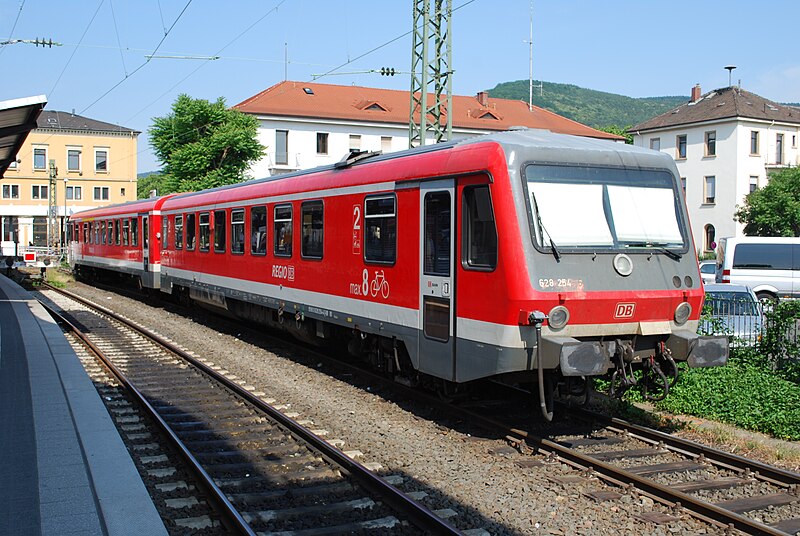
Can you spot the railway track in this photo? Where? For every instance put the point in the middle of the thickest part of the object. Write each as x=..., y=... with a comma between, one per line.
x=725, y=490
x=262, y=471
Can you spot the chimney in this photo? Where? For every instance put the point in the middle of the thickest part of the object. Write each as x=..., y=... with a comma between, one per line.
x=696, y=93
x=483, y=98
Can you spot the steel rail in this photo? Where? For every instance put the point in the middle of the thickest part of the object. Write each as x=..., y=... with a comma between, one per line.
x=231, y=516
x=421, y=516
x=775, y=475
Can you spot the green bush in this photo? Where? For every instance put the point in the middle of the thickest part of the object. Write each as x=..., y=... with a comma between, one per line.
x=742, y=394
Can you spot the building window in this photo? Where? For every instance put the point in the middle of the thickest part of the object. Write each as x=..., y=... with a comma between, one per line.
x=101, y=160
x=10, y=228
x=219, y=231
x=283, y=231
x=655, y=144
x=386, y=144
x=237, y=231
x=380, y=229
x=480, y=233
x=311, y=232
x=101, y=193
x=711, y=143
x=74, y=193
x=779, y=149
x=39, y=192
x=73, y=159
x=13, y=164
x=11, y=191
x=355, y=142
x=178, y=232
x=683, y=185
x=794, y=141
x=322, y=143
x=754, y=142
x=680, y=146
x=710, y=238
x=753, y=183
x=258, y=230
x=39, y=231
x=40, y=158
x=282, y=147
x=205, y=231
x=709, y=194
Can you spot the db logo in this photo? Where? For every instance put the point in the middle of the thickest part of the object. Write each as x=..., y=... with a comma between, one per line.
x=624, y=310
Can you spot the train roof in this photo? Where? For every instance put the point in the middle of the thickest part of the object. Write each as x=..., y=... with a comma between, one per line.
x=531, y=145
x=139, y=205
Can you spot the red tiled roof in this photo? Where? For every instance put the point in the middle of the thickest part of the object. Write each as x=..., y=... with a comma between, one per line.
x=356, y=103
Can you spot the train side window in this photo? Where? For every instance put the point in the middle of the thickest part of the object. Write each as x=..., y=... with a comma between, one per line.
x=103, y=233
x=258, y=230
x=135, y=232
x=237, y=231
x=205, y=231
x=191, y=231
x=219, y=231
x=87, y=233
x=126, y=231
x=311, y=232
x=479, y=231
x=380, y=229
x=116, y=232
x=179, y=232
x=110, y=232
x=437, y=234
x=283, y=231
x=164, y=235
x=145, y=233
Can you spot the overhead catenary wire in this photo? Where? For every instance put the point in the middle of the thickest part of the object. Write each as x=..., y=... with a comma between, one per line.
x=14, y=26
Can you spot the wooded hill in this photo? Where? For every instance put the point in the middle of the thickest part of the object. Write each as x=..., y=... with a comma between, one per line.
x=594, y=108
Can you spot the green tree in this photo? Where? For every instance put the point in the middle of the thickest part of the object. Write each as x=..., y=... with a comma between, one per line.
x=147, y=183
x=773, y=210
x=619, y=131
x=203, y=144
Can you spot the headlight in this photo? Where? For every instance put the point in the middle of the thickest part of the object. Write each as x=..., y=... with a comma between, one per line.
x=558, y=317
x=682, y=313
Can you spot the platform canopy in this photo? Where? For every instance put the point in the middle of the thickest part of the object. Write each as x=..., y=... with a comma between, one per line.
x=17, y=119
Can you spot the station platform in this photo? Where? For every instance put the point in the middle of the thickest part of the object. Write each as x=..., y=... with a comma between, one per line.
x=64, y=469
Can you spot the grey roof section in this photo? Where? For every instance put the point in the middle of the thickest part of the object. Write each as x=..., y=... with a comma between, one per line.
x=728, y=102
x=17, y=119
x=55, y=120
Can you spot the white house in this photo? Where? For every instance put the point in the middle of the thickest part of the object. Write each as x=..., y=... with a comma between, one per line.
x=304, y=124
x=725, y=144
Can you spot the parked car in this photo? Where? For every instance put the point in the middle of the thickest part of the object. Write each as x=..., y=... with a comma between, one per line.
x=708, y=271
x=768, y=265
x=735, y=311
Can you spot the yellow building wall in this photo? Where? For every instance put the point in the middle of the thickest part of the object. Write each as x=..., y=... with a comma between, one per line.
x=89, y=185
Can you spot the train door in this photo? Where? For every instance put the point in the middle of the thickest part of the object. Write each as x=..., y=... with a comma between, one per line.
x=437, y=278
x=145, y=243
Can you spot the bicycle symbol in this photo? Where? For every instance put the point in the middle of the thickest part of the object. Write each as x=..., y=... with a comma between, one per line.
x=379, y=284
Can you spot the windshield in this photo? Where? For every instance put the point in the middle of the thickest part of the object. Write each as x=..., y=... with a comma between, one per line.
x=604, y=208
x=732, y=303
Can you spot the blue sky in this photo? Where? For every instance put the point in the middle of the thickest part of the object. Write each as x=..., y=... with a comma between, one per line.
x=635, y=48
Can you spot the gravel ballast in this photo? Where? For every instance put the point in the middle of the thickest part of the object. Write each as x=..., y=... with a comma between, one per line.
x=477, y=477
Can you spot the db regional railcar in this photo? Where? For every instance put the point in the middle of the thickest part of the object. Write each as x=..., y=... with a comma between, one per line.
x=118, y=238
x=525, y=256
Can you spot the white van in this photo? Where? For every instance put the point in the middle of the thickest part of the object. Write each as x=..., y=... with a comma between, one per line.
x=768, y=265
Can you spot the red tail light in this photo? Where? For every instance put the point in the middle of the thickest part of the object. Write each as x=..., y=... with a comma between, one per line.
x=726, y=276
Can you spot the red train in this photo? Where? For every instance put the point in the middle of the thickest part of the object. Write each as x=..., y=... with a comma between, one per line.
x=525, y=255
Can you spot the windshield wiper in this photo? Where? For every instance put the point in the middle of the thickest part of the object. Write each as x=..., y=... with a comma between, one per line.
x=553, y=247
x=660, y=247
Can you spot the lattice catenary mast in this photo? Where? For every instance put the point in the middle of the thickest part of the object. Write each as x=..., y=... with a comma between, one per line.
x=432, y=31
